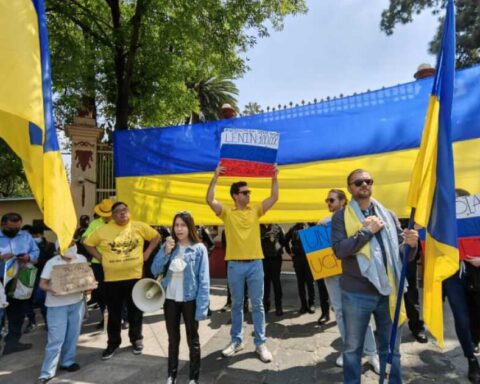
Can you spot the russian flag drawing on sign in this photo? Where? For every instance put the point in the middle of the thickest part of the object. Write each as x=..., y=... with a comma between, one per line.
x=248, y=152
x=468, y=225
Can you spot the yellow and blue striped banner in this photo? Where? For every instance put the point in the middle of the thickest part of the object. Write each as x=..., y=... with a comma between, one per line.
x=160, y=171
x=26, y=118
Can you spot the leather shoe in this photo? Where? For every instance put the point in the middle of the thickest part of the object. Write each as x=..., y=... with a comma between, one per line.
x=279, y=311
x=421, y=336
x=17, y=347
x=302, y=310
x=311, y=309
x=473, y=370
x=325, y=318
x=70, y=368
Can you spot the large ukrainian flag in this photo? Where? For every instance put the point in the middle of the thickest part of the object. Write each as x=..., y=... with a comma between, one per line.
x=26, y=119
x=432, y=189
x=163, y=170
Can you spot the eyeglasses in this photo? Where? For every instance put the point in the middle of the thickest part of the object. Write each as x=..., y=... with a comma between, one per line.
x=330, y=200
x=359, y=182
x=245, y=193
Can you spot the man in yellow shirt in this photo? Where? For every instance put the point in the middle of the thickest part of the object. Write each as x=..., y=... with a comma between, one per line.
x=244, y=256
x=120, y=250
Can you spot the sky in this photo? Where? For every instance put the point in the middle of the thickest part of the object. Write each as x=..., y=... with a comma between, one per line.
x=336, y=48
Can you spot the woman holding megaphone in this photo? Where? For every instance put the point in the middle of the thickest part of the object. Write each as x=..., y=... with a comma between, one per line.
x=183, y=260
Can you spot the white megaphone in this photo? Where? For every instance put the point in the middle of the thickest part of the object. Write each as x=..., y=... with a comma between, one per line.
x=148, y=294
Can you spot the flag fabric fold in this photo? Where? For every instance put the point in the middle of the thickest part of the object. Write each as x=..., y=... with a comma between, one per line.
x=432, y=187
x=26, y=116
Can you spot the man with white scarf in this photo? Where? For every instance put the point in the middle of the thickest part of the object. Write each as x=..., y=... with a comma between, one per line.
x=369, y=241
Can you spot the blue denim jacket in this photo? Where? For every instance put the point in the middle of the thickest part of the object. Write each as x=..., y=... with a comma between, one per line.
x=196, y=275
x=21, y=244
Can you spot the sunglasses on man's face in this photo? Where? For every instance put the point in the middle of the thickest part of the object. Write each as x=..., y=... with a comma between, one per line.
x=245, y=193
x=330, y=200
x=359, y=182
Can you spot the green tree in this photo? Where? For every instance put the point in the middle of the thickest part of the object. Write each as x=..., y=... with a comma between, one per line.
x=13, y=182
x=467, y=24
x=252, y=108
x=212, y=94
x=130, y=60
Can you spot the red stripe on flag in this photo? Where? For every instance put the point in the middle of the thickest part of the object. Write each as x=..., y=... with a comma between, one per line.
x=246, y=168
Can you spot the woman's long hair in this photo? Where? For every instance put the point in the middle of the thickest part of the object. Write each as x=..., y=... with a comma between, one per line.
x=187, y=218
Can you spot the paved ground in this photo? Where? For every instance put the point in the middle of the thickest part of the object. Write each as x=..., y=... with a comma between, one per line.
x=303, y=352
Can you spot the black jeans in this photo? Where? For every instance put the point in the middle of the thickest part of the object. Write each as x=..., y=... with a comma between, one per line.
x=454, y=289
x=15, y=315
x=98, y=295
x=172, y=311
x=116, y=293
x=304, y=279
x=411, y=299
x=323, y=294
x=272, y=268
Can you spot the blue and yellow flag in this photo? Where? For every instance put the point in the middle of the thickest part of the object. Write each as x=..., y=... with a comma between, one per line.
x=432, y=188
x=26, y=118
x=160, y=171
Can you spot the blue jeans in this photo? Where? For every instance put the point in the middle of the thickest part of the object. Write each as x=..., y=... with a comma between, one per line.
x=64, y=325
x=357, y=310
x=252, y=273
x=335, y=295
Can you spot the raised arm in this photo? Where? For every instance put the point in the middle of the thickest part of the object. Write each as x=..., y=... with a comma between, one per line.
x=268, y=202
x=214, y=204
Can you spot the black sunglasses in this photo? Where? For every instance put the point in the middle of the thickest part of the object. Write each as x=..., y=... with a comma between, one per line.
x=359, y=182
x=245, y=193
x=330, y=200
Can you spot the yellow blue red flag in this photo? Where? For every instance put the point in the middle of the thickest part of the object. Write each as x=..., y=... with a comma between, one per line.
x=432, y=187
x=26, y=118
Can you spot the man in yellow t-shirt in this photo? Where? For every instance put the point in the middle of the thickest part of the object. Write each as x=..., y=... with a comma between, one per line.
x=244, y=256
x=118, y=245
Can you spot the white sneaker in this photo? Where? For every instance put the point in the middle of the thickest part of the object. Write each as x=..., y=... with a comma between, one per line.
x=263, y=353
x=170, y=380
x=339, y=361
x=374, y=361
x=232, y=348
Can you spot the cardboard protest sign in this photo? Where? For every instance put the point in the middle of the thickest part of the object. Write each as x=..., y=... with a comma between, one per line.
x=317, y=246
x=248, y=152
x=468, y=224
x=70, y=278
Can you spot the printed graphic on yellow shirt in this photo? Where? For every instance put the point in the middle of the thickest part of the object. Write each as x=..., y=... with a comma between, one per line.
x=124, y=244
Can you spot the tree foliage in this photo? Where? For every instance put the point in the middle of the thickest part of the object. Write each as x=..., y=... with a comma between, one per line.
x=131, y=61
x=13, y=182
x=252, y=108
x=211, y=95
x=467, y=24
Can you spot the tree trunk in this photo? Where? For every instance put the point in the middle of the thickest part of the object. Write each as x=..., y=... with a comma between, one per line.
x=125, y=61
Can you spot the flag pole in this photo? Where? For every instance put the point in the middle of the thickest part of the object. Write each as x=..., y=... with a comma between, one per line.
x=401, y=286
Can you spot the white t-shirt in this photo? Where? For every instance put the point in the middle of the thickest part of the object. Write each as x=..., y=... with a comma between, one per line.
x=58, y=301
x=175, y=285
